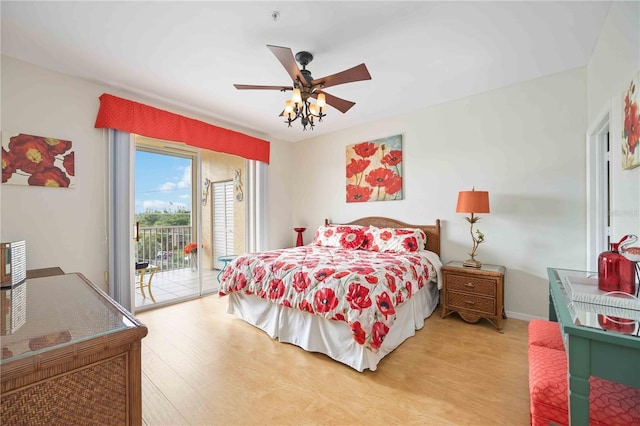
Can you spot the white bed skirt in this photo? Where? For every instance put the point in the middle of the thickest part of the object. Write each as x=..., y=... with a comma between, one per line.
x=333, y=338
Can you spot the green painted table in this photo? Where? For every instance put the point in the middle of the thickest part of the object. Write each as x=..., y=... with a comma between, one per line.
x=591, y=349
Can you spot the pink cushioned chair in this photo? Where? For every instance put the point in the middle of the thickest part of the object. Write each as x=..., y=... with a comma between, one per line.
x=610, y=403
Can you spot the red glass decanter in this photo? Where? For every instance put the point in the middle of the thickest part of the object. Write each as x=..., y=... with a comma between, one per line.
x=621, y=325
x=615, y=272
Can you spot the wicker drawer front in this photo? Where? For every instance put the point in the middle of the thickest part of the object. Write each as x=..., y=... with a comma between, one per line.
x=470, y=302
x=473, y=285
x=94, y=395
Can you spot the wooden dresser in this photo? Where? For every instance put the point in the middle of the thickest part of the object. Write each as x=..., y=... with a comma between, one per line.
x=70, y=355
x=474, y=293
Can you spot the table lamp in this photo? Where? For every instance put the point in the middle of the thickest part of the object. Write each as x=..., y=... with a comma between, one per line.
x=473, y=202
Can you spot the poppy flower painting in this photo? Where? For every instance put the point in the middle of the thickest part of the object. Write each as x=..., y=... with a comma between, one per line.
x=631, y=126
x=37, y=161
x=374, y=170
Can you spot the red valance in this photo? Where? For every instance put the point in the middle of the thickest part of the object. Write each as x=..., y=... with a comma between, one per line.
x=140, y=119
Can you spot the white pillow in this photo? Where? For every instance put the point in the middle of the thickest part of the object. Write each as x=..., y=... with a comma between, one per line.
x=344, y=236
x=398, y=240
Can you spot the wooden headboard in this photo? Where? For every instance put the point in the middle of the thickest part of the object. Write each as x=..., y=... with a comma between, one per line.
x=432, y=231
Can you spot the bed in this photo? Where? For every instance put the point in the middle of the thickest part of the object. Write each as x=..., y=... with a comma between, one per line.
x=355, y=293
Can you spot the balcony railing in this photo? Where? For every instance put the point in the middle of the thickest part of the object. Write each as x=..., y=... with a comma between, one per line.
x=163, y=246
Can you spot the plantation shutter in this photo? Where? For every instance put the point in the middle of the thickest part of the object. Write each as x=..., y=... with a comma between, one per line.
x=222, y=221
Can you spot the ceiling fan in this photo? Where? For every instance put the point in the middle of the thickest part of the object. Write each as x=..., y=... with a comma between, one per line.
x=305, y=87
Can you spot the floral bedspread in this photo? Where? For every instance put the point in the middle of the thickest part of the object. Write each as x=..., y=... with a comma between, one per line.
x=360, y=287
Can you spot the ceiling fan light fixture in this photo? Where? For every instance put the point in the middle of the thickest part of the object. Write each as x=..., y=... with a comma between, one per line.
x=288, y=107
x=296, y=97
x=322, y=101
x=307, y=103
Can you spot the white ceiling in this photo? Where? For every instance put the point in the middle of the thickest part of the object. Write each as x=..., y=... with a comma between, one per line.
x=189, y=54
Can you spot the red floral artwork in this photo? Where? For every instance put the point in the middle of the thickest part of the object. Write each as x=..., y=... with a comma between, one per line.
x=393, y=185
x=393, y=158
x=356, y=166
x=374, y=170
x=69, y=163
x=358, y=194
x=37, y=161
x=51, y=176
x=365, y=149
x=631, y=126
x=379, y=177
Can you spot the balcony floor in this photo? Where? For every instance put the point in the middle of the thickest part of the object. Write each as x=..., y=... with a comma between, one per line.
x=176, y=285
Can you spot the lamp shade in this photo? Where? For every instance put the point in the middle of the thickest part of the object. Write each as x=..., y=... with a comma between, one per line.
x=473, y=202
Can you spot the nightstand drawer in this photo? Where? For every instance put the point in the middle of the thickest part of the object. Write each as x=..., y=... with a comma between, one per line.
x=471, y=302
x=471, y=284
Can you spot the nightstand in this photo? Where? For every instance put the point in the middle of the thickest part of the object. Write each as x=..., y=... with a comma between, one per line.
x=474, y=293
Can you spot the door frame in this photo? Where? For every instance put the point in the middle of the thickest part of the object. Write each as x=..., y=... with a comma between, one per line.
x=598, y=178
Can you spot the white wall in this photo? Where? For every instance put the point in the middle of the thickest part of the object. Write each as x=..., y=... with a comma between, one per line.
x=279, y=198
x=68, y=227
x=62, y=227
x=613, y=64
x=524, y=144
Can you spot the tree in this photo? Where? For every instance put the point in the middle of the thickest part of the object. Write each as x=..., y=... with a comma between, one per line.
x=150, y=218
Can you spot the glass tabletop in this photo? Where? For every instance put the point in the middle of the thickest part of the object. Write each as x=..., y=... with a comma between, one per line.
x=590, y=307
x=43, y=313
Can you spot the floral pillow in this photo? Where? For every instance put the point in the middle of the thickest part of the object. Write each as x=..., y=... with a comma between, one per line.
x=344, y=236
x=399, y=240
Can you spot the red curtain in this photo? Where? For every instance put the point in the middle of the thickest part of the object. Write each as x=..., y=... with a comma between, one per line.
x=133, y=117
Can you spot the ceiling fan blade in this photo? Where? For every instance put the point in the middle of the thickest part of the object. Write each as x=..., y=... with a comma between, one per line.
x=357, y=73
x=250, y=86
x=285, y=56
x=340, y=104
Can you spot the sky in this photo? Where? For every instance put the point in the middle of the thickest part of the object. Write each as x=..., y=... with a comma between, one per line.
x=162, y=182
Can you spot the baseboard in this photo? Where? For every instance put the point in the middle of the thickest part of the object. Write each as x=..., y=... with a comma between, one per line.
x=523, y=317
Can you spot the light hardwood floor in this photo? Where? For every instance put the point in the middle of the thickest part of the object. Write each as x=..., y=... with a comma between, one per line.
x=202, y=366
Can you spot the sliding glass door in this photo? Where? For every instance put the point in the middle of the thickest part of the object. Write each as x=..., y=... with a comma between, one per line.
x=166, y=216
x=164, y=191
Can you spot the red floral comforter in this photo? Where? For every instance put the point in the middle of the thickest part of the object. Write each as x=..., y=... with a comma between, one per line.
x=361, y=287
